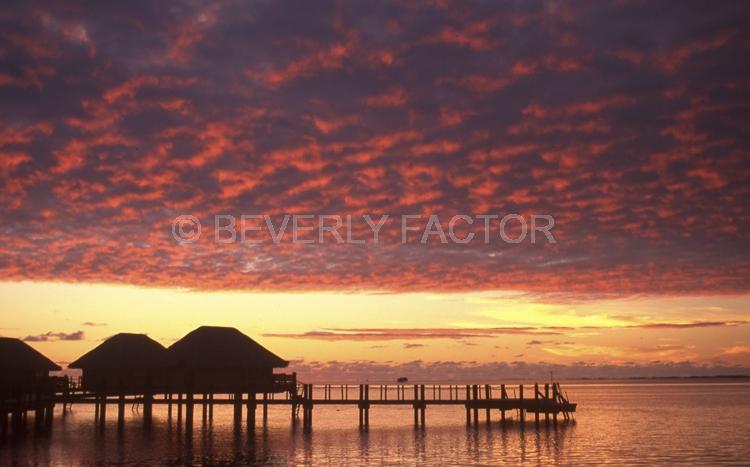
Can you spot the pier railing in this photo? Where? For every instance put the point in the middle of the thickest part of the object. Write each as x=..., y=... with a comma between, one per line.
x=544, y=401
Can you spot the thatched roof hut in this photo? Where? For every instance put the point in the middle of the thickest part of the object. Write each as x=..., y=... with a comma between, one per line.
x=16, y=356
x=23, y=370
x=221, y=347
x=214, y=358
x=124, y=363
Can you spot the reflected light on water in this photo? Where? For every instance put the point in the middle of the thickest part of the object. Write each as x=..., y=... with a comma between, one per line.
x=628, y=423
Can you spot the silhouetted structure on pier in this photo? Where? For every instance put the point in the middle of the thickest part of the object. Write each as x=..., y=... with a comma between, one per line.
x=123, y=364
x=221, y=361
x=214, y=359
x=25, y=384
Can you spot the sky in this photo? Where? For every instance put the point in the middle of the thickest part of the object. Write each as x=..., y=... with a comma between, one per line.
x=625, y=123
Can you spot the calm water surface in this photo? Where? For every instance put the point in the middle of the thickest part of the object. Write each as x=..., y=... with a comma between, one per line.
x=675, y=423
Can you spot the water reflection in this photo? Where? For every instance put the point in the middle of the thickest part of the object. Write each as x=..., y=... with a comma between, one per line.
x=622, y=425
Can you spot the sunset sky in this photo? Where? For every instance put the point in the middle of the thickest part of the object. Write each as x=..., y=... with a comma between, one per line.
x=628, y=123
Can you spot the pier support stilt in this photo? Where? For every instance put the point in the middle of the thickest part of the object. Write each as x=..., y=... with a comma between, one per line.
x=179, y=410
x=204, y=408
x=102, y=410
x=265, y=409
x=468, y=405
x=503, y=395
x=251, y=406
x=148, y=405
x=487, y=395
x=121, y=411
x=189, y=406
x=475, y=396
x=237, y=409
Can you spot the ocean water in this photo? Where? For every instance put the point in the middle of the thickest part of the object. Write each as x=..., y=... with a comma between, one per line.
x=699, y=423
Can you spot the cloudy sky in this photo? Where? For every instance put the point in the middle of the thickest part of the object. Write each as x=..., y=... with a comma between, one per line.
x=627, y=122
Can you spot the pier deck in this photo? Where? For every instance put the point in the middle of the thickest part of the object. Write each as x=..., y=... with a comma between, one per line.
x=543, y=401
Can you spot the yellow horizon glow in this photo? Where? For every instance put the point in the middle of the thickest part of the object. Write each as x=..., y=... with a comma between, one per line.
x=599, y=329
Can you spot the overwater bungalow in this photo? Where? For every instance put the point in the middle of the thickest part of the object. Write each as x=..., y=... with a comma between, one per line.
x=214, y=359
x=124, y=364
x=25, y=382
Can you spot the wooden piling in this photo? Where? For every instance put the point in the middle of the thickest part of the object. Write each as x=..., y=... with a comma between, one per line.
x=179, y=409
x=488, y=396
x=468, y=406
x=475, y=396
x=265, y=409
x=367, y=406
x=554, y=397
x=251, y=406
x=121, y=410
x=103, y=410
x=536, y=399
x=189, y=406
x=423, y=408
x=148, y=400
x=503, y=395
x=237, y=408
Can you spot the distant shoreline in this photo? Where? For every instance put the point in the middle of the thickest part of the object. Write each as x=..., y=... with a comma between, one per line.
x=637, y=378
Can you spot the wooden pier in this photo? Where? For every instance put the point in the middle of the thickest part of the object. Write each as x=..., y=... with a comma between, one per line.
x=542, y=403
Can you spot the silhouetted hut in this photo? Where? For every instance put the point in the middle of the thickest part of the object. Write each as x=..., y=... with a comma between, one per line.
x=124, y=364
x=24, y=372
x=221, y=359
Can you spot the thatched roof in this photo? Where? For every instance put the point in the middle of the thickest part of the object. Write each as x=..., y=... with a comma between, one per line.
x=16, y=355
x=124, y=351
x=220, y=347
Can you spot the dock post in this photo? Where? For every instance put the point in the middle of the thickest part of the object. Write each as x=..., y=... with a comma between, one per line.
x=310, y=415
x=237, y=409
x=423, y=408
x=121, y=410
x=360, y=409
x=49, y=413
x=546, y=396
x=169, y=406
x=211, y=407
x=204, y=408
x=103, y=410
x=521, y=411
x=38, y=411
x=293, y=406
x=554, y=397
x=475, y=394
x=148, y=401
x=468, y=405
x=308, y=407
x=503, y=395
x=487, y=395
x=189, y=405
x=265, y=409
x=251, y=405
x=536, y=403
x=367, y=406
x=415, y=405
x=179, y=409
